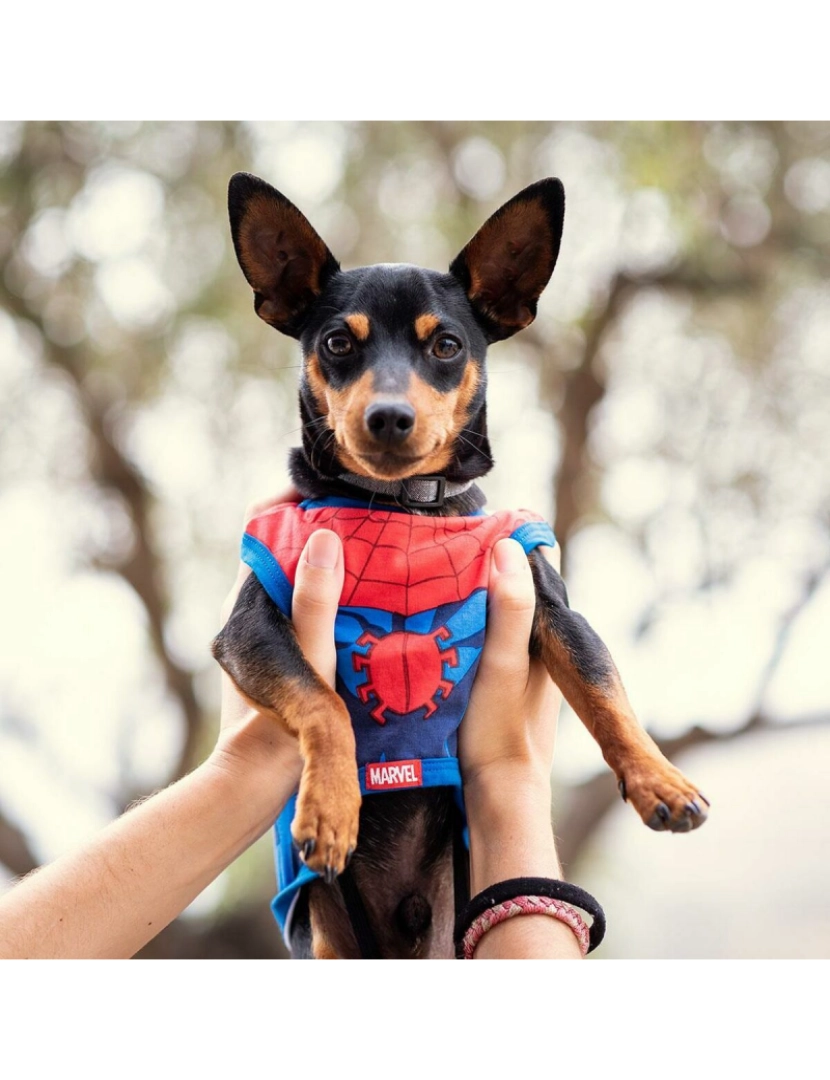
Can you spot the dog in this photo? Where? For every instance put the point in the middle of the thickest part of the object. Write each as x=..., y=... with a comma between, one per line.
x=392, y=402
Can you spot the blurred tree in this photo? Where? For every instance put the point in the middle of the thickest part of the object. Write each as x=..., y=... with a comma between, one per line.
x=673, y=396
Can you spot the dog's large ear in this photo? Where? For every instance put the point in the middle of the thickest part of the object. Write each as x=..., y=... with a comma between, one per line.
x=285, y=261
x=509, y=261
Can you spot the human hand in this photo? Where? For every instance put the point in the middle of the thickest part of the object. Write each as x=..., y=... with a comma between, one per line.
x=510, y=724
x=505, y=747
x=244, y=730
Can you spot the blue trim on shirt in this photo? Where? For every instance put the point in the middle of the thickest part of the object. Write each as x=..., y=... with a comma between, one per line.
x=435, y=772
x=268, y=570
x=338, y=500
x=533, y=534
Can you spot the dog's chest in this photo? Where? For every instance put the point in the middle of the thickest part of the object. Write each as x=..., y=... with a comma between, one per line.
x=411, y=623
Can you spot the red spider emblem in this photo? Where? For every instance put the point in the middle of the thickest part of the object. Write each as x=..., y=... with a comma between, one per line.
x=404, y=671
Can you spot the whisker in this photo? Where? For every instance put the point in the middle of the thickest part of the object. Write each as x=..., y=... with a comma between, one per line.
x=323, y=449
x=308, y=424
x=316, y=441
x=472, y=445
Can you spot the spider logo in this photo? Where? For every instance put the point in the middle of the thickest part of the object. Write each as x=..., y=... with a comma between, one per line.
x=405, y=671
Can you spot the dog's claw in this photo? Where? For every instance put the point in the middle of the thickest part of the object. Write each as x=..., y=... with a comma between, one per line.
x=700, y=795
x=349, y=854
x=681, y=820
x=326, y=818
x=664, y=798
x=659, y=818
x=621, y=786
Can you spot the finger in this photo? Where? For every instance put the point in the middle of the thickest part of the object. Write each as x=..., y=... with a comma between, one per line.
x=254, y=509
x=317, y=588
x=511, y=603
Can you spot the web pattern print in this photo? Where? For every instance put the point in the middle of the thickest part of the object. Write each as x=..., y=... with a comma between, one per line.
x=402, y=563
x=412, y=614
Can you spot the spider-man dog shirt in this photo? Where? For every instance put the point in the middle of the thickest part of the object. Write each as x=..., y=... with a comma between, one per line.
x=409, y=635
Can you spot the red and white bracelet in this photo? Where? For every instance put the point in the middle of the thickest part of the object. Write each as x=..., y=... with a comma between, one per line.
x=526, y=905
x=529, y=896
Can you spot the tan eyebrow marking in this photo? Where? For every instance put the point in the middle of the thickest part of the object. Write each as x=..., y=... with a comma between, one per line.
x=424, y=326
x=359, y=325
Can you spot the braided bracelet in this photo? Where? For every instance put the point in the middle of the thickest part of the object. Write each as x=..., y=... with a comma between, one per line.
x=524, y=905
x=528, y=896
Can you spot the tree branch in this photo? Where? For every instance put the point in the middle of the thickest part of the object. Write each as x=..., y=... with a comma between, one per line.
x=585, y=385
x=142, y=566
x=812, y=583
x=15, y=853
x=587, y=804
x=590, y=802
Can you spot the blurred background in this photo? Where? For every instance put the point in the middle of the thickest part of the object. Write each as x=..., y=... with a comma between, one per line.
x=669, y=411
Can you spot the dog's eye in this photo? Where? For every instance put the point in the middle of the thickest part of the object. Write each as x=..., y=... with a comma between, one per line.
x=446, y=348
x=338, y=344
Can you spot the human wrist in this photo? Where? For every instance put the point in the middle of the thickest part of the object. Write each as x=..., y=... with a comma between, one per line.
x=486, y=914
x=262, y=761
x=511, y=834
x=507, y=793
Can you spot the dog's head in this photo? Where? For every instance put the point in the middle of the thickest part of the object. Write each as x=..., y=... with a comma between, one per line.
x=394, y=379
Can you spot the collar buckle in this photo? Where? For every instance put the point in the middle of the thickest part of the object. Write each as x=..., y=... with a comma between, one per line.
x=409, y=496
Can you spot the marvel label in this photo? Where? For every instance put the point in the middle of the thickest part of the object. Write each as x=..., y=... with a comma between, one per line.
x=388, y=775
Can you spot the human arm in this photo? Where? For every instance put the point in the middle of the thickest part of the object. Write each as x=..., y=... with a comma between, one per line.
x=114, y=894
x=110, y=897
x=506, y=750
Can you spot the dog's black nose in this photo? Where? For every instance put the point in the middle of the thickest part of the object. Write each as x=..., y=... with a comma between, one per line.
x=390, y=422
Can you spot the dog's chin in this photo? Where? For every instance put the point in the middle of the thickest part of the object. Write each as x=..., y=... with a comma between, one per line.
x=386, y=465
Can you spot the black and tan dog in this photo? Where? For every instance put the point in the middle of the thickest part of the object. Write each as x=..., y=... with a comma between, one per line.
x=393, y=387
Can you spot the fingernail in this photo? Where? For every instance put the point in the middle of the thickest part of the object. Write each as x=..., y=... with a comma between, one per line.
x=322, y=551
x=509, y=557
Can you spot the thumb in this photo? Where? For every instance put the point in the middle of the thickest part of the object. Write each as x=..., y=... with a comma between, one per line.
x=317, y=588
x=511, y=603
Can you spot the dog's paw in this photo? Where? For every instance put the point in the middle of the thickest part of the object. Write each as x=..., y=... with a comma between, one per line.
x=325, y=822
x=664, y=798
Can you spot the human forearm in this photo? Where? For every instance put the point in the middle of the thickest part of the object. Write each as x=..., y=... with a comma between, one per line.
x=506, y=749
x=511, y=836
x=510, y=829
x=112, y=896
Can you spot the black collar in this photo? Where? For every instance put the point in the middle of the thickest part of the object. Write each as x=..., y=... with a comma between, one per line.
x=417, y=492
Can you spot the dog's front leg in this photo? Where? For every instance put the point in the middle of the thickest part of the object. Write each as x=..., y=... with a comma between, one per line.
x=260, y=652
x=581, y=665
